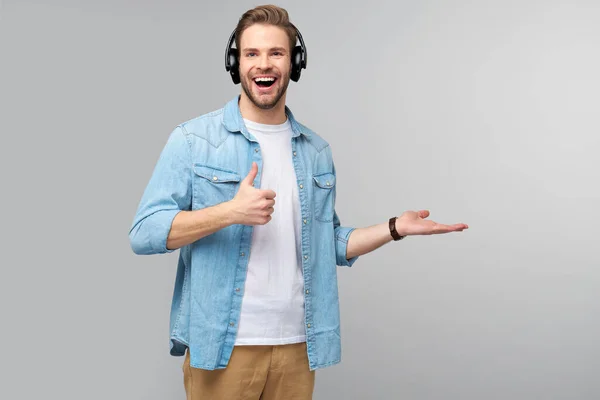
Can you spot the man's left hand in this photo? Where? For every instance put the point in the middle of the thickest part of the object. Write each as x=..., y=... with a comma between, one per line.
x=414, y=223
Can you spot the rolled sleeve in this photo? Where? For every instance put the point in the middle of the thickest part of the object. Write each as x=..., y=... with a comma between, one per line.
x=342, y=234
x=168, y=192
x=150, y=235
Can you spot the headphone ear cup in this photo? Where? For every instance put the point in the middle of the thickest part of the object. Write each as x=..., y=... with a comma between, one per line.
x=296, y=63
x=234, y=66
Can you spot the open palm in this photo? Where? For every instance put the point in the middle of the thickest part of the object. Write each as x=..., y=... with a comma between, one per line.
x=414, y=223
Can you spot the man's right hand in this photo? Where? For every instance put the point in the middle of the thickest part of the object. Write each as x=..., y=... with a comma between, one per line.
x=252, y=206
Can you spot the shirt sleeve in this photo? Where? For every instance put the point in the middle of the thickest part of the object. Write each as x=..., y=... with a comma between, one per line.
x=168, y=192
x=342, y=234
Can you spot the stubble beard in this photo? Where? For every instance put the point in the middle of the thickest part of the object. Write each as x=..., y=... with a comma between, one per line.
x=246, y=82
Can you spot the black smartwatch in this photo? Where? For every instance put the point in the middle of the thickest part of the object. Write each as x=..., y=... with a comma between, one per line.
x=393, y=230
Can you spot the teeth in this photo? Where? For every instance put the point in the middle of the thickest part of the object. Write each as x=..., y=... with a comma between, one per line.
x=264, y=79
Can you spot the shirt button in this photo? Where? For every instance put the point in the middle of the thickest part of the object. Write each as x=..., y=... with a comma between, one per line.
x=215, y=178
x=306, y=257
x=301, y=186
x=308, y=325
x=306, y=291
x=328, y=184
x=242, y=254
x=294, y=154
x=256, y=150
x=305, y=222
x=231, y=324
x=237, y=289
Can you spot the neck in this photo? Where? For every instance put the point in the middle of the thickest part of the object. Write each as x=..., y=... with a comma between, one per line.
x=272, y=116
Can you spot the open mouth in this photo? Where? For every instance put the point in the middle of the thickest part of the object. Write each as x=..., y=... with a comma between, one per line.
x=265, y=81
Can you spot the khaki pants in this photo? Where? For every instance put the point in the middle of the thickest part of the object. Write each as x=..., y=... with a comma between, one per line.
x=254, y=373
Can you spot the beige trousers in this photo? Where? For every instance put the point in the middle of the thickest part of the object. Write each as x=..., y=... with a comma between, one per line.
x=254, y=373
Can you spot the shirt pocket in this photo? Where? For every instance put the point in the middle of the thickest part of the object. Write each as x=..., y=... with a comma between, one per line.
x=213, y=185
x=323, y=196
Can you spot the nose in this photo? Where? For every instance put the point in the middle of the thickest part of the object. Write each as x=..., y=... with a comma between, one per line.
x=264, y=62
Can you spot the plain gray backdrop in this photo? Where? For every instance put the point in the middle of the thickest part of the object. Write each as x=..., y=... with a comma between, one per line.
x=483, y=112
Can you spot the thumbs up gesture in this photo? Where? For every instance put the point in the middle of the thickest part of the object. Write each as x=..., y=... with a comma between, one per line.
x=252, y=206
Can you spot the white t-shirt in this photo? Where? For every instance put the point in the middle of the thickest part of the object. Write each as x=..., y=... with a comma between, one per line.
x=273, y=301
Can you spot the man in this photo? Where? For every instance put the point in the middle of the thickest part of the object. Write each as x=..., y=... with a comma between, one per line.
x=247, y=193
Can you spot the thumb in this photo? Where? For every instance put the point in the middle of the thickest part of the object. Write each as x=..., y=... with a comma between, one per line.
x=252, y=174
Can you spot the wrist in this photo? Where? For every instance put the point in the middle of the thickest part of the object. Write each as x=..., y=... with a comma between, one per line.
x=395, y=228
x=228, y=213
x=400, y=227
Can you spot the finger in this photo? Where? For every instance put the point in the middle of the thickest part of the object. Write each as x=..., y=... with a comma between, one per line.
x=267, y=204
x=424, y=213
x=268, y=194
x=270, y=210
x=251, y=175
x=457, y=227
x=441, y=228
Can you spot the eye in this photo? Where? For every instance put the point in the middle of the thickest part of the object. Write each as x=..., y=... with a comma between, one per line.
x=250, y=54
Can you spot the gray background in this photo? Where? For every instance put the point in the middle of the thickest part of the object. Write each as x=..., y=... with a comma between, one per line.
x=482, y=112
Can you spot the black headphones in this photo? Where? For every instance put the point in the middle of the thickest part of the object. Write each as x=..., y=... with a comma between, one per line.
x=232, y=62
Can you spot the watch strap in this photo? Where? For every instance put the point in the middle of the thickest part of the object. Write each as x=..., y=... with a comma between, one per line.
x=395, y=235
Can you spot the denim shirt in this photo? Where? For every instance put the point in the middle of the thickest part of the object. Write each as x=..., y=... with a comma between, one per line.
x=201, y=165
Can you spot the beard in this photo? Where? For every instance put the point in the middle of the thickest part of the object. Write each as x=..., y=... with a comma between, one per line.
x=266, y=102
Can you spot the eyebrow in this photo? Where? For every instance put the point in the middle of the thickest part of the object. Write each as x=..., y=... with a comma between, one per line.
x=282, y=49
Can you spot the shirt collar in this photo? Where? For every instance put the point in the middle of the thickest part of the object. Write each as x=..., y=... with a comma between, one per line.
x=233, y=121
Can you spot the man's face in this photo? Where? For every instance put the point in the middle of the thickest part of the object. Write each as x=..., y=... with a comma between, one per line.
x=264, y=64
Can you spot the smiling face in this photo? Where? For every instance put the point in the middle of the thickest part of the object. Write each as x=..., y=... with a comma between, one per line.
x=265, y=65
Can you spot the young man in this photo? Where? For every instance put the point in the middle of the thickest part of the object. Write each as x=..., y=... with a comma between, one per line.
x=247, y=194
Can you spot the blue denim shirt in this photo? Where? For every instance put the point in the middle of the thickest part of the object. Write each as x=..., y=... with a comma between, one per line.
x=202, y=165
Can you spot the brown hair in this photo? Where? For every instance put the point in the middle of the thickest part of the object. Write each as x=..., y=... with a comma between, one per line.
x=268, y=15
